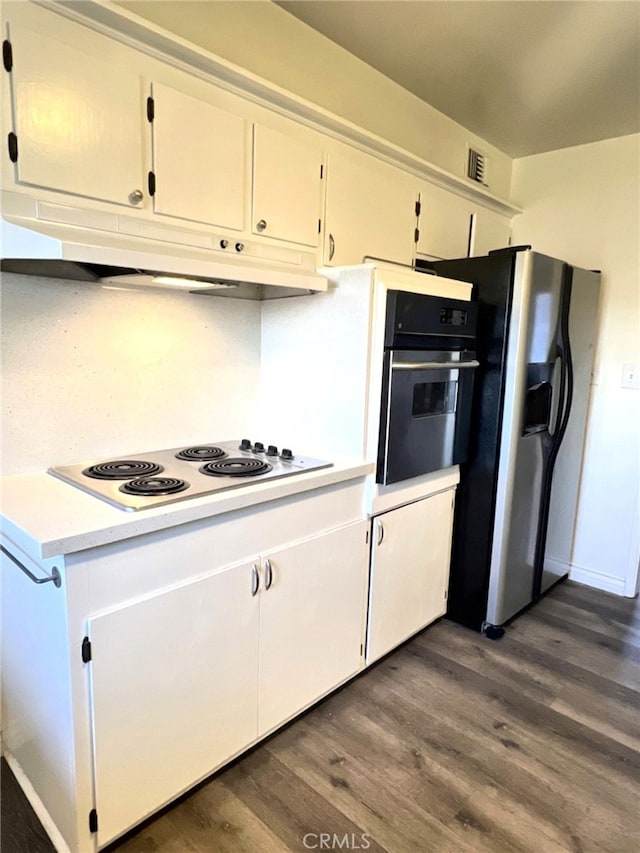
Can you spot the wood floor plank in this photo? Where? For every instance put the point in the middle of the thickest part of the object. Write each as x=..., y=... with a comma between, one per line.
x=212, y=820
x=452, y=744
x=291, y=808
x=498, y=749
x=349, y=757
x=606, y=658
x=549, y=680
x=20, y=829
x=595, y=621
x=615, y=608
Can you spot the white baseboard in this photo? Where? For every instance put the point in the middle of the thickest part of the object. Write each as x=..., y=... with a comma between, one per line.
x=597, y=580
x=37, y=805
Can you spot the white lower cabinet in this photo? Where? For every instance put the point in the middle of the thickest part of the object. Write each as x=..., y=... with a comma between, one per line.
x=311, y=621
x=183, y=680
x=174, y=692
x=409, y=571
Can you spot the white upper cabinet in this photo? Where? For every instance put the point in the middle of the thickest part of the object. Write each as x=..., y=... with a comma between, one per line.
x=445, y=223
x=78, y=118
x=287, y=187
x=199, y=160
x=490, y=231
x=370, y=211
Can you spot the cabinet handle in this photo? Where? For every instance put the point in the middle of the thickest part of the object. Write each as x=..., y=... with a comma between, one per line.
x=262, y=224
x=380, y=533
x=332, y=247
x=136, y=196
x=268, y=574
x=255, y=580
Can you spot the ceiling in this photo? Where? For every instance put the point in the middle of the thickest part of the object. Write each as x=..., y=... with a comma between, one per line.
x=525, y=75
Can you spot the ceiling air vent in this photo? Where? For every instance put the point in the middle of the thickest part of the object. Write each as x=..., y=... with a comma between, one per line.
x=477, y=166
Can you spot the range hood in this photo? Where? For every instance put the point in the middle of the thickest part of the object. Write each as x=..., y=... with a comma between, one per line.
x=59, y=241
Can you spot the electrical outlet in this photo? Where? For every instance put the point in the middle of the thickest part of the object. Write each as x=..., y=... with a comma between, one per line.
x=630, y=375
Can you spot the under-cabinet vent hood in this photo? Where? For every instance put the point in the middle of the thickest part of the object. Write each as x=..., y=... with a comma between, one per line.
x=60, y=241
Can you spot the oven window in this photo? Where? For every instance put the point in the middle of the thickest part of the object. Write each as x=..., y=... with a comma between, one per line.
x=434, y=398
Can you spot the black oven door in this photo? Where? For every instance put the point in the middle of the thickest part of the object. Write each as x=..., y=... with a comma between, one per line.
x=426, y=408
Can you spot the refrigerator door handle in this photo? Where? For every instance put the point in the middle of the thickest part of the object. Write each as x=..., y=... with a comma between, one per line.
x=551, y=446
x=566, y=381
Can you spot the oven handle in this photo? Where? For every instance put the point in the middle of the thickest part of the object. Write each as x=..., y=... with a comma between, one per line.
x=432, y=365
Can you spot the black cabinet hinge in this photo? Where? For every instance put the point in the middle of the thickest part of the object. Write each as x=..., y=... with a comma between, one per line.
x=418, y=208
x=7, y=55
x=319, y=226
x=151, y=109
x=86, y=650
x=152, y=183
x=12, y=143
x=366, y=537
x=416, y=235
x=93, y=821
x=321, y=171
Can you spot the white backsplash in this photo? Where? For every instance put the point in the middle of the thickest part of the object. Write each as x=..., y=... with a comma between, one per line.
x=90, y=372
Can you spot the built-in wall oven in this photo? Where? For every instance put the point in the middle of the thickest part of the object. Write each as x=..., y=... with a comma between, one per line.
x=427, y=385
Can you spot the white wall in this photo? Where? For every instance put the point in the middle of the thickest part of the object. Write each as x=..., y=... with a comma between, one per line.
x=582, y=204
x=266, y=40
x=89, y=372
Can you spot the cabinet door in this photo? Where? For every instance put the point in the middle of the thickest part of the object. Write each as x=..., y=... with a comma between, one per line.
x=311, y=621
x=371, y=211
x=286, y=187
x=78, y=119
x=199, y=160
x=409, y=571
x=445, y=221
x=490, y=231
x=174, y=692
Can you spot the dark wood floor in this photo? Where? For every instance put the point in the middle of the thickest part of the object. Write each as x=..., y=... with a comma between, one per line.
x=454, y=743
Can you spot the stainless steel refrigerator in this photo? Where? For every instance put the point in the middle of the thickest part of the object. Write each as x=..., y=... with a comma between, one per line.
x=517, y=500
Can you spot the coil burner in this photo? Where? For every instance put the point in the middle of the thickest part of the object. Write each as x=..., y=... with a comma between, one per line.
x=152, y=486
x=200, y=452
x=122, y=469
x=236, y=467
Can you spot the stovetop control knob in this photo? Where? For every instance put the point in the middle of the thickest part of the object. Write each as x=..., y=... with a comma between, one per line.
x=272, y=450
x=258, y=447
x=245, y=444
x=286, y=454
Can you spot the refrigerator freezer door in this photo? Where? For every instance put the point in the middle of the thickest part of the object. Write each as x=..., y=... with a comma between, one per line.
x=583, y=315
x=531, y=357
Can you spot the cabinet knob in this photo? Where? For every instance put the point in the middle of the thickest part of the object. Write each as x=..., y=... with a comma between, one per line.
x=239, y=247
x=136, y=196
x=380, y=533
x=261, y=225
x=332, y=247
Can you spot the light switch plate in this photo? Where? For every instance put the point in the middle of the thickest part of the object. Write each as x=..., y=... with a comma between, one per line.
x=630, y=375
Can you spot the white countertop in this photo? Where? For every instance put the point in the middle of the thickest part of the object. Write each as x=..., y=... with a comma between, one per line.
x=46, y=517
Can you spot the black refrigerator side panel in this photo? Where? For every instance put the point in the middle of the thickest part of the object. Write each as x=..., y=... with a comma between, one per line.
x=492, y=277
